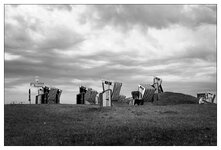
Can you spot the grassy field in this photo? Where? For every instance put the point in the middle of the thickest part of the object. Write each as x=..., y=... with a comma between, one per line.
x=62, y=124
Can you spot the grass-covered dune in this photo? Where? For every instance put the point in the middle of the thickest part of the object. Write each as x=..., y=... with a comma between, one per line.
x=61, y=124
x=170, y=98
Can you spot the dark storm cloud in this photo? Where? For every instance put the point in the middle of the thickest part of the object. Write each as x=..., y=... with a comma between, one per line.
x=181, y=66
x=156, y=16
x=53, y=66
x=131, y=58
x=58, y=67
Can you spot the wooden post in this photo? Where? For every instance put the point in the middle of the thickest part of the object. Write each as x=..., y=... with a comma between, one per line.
x=138, y=92
x=109, y=95
x=103, y=86
x=29, y=96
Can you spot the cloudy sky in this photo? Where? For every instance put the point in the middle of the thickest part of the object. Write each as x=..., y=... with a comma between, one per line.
x=72, y=45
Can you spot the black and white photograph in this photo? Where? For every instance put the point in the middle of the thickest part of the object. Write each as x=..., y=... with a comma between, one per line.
x=110, y=74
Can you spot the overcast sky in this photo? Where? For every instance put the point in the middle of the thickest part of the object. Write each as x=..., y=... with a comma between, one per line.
x=72, y=45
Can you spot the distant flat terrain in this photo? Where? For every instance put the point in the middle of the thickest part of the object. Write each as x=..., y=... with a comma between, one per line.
x=66, y=124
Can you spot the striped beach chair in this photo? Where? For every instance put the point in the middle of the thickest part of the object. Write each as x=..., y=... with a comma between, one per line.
x=52, y=95
x=108, y=95
x=116, y=91
x=157, y=85
x=147, y=92
x=90, y=96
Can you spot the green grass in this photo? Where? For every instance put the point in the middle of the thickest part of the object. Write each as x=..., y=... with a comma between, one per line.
x=61, y=124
